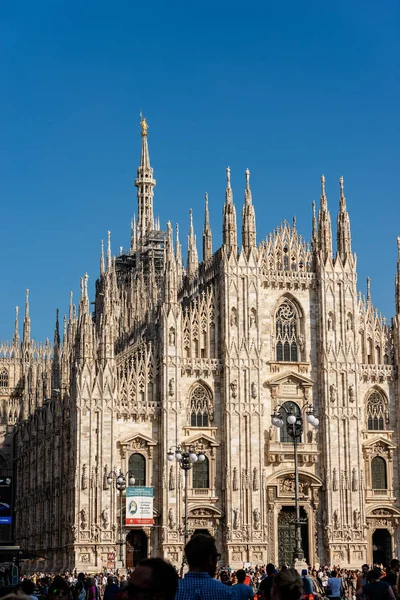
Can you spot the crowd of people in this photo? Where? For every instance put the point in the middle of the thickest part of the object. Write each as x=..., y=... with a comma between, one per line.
x=156, y=579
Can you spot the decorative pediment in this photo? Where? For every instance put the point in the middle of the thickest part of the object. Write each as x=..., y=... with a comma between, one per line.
x=205, y=511
x=201, y=440
x=139, y=442
x=290, y=384
x=379, y=442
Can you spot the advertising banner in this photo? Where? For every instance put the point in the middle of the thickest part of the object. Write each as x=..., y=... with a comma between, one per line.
x=5, y=500
x=139, y=505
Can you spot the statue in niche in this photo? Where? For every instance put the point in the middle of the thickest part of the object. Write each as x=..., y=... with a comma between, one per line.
x=354, y=481
x=336, y=520
x=105, y=518
x=234, y=386
x=357, y=519
x=171, y=337
x=256, y=519
x=253, y=390
x=83, y=518
x=253, y=317
x=84, y=482
x=236, y=518
x=335, y=483
x=171, y=483
x=105, y=478
x=351, y=393
x=333, y=392
x=171, y=386
x=235, y=483
x=233, y=319
x=301, y=342
x=171, y=519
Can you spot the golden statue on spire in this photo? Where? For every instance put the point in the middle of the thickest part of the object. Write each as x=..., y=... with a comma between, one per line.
x=143, y=124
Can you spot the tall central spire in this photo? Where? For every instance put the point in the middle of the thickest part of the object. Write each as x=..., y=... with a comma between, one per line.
x=145, y=184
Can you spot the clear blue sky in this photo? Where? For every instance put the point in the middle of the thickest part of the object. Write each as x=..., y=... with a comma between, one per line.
x=290, y=90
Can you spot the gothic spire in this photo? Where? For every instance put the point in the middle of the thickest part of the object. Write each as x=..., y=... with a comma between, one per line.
x=102, y=258
x=207, y=236
x=248, y=219
x=16, y=330
x=133, y=234
x=369, y=290
x=229, y=230
x=343, y=227
x=398, y=278
x=193, y=259
x=314, y=235
x=27, y=321
x=170, y=291
x=57, y=331
x=324, y=224
x=109, y=262
x=145, y=184
x=179, y=260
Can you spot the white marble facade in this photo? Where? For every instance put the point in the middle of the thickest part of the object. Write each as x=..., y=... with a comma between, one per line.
x=203, y=354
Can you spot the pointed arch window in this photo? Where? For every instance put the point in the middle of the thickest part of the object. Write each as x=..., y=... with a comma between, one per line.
x=378, y=473
x=137, y=464
x=288, y=408
x=377, y=412
x=201, y=474
x=286, y=331
x=201, y=408
x=4, y=380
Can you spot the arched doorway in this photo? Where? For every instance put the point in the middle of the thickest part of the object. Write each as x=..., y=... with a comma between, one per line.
x=136, y=547
x=381, y=547
x=286, y=534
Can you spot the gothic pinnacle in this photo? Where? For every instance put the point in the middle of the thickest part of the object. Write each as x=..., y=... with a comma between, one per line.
x=343, y=226
x=229, y=230
x=27, y=321
x=193, y=259
x=102, y=258
x=16, y=329
x=324, y=224
x=248, y=219
x=145, y=184
x=109, y=264
x=207, y=236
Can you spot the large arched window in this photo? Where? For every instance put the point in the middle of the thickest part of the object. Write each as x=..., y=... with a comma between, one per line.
x=378, y=473
x=201, y=411
x=377, y=412
x=286, y=331
x=4, y=378
x=201, y=475
x=288, y=408
x=137, y=464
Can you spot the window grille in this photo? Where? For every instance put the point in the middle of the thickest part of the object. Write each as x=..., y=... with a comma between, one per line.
x=199, y=407
x=376, y=412
x=378, y=472
x=4, y=378
x=286, y=333
x=200, y=474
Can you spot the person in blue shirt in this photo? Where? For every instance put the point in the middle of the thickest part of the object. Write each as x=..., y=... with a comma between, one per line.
x=199, y=583
x=334, y=585
x=243, y=591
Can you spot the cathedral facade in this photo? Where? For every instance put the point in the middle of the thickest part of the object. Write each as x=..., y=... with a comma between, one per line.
x=201, y=354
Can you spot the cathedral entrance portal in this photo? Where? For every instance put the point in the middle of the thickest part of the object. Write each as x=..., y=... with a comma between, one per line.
x=286, y=534
x=381, y=547
x=136, y=547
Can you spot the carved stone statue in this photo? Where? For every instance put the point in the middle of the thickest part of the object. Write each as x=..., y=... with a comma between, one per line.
x=233, y=319
x=236, y=518
x=105, y=520
x=354, y=480
x=335, y=483
x=171, y=386
x=171, y=337
x=357, y=519
x=336, y=520
x=84, y=482
x=83, y=518
x=171, y=483
x=256, y=519
x=351, y=393
x=234, y=388
x=253, y=390
x=333, y=392
x=171, y=519
x=235, y=482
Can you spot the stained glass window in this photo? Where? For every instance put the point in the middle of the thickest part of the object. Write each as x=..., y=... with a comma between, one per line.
x=199, y=407
x=4, y=378
x=376, y=412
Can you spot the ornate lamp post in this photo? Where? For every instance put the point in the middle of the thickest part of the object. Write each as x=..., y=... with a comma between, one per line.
x=120, y=484
x=186, y=459
x=294, y=428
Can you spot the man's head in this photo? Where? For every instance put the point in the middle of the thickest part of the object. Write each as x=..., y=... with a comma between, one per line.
x=153, y=579
x=201, y=553
x=270, y=569
x=241, y=575
x=28, y=587
x=375, y=574
x=365, y=569
x=395, y=565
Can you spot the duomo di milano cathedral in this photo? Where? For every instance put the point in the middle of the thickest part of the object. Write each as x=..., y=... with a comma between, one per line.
x=202, y=352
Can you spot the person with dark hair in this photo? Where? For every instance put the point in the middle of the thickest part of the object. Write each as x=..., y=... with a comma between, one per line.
x=202, y=557
x=265, y=586
x=79, y=592
x=243, y=591
x=392, y=575
x=28, y=587
x=153, y=579
x=287, y=585
x=59, y=588
x=376, y=589
x=111, y=589
x=334, y=587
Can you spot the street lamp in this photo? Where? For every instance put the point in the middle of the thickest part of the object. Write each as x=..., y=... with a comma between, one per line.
x=120, y=483
x=185, y=457
x=294, y=428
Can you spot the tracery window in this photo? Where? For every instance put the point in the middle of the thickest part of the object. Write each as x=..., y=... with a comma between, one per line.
x=376, y=412
x=288, y=408
x=378, y=473
x=286, y=327
x=137, y=464
x=201, y=475
x=4, y=378
x=201, y=412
